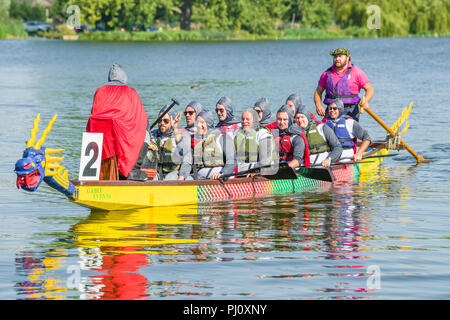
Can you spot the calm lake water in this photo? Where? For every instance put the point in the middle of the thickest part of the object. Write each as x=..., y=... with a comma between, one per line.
x=386, y=237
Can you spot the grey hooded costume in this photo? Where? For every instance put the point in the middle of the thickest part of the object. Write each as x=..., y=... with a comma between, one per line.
x=223, y=140
x=267, y=116
x=294, y=131
x=181, y=153
x=230, y=118
x=299, y=106
x=117, y=76
x=198, y=107
x=258, y=135
x=356, y=129
x=330, y=137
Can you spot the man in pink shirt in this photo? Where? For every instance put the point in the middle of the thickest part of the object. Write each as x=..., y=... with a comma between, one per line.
x=342, y=81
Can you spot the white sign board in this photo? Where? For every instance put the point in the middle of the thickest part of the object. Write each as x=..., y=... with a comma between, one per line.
x=91, y=156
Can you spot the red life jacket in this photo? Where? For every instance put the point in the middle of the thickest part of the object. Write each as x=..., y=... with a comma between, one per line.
x=306, y=158
x=192, y=136
x=286, y=149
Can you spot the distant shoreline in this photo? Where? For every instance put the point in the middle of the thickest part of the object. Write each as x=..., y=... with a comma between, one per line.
x=209, y=35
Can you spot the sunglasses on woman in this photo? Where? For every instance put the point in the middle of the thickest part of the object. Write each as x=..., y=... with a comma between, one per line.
x=189, y=113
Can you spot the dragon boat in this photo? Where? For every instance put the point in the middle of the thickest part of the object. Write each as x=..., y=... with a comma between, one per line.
x=40, y=164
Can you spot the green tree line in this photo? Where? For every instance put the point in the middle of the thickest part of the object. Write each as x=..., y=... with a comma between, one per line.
x=259, y=17
x=25, y=11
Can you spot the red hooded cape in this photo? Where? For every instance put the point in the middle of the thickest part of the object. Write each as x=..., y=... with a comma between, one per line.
x=118, y=113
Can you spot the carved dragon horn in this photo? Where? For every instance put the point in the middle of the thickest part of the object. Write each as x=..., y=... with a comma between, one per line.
x=33, y=131
x=45, y=132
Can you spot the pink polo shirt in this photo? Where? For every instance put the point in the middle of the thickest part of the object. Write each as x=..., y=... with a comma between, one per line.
x=356, y=82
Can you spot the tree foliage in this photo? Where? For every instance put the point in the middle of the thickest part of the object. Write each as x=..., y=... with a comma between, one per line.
x=397, y=17
x=24, y=11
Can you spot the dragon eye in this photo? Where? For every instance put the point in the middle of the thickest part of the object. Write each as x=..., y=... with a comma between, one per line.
x=27, y=165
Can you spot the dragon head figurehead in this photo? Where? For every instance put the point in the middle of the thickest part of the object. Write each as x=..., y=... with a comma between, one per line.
x=30, y=169
x=37, y=164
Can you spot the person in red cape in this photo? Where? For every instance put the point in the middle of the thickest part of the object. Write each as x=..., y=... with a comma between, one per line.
x=118, y=113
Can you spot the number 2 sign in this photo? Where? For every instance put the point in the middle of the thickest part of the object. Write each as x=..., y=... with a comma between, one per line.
x=91, y=156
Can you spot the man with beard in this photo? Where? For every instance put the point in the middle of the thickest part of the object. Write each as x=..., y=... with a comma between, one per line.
x=344, y=81
x=172, y=159
x=190, y=112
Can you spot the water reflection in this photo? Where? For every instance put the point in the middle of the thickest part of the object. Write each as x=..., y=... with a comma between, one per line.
x=40, y=274
x=279, y=243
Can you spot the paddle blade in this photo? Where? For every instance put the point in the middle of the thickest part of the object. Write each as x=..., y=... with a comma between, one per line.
x=284, y=172
x=400, y=124
x=322, y=174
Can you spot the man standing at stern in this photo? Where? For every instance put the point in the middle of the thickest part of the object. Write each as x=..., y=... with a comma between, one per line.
x=343, y=81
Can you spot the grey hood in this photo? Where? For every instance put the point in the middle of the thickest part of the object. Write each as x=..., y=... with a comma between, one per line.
x=117, y=76
x=198, y=107
x=286, y=108
x=267, y=116
x=171, y=113
x=255, y=122
x=297, y=101
x=295, y=129
x=230, y=119
x=340, y=105
x=308, y=116
x=208, y=117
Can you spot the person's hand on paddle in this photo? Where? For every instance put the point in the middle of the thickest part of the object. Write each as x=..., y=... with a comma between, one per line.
x=363, y=104
x=151, y=173
x=357, y=156
x=215, y=176
x=326, y=163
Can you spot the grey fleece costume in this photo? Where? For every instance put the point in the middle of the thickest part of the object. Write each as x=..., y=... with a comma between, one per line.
x=198, y=107
x=182, y=152
x=294, y=130
x=267, y=116
x=230, y=118
x=357, y=130
x=265, y=142
x=223, y=140
x=330, y=137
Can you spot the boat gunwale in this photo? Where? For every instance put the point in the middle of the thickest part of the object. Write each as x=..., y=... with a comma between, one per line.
x=257, y=178
x=167, y=183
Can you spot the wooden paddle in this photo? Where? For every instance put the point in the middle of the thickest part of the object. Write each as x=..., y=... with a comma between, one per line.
x=392, y=133
x=368, y=157
x=284, y=172
x=174, y=102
